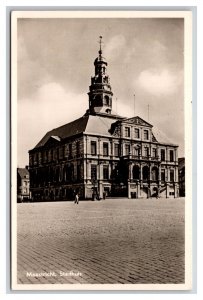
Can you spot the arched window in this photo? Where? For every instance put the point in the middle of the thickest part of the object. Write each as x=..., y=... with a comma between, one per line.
x=145, y=173
x=136, y=172
x=154, y=173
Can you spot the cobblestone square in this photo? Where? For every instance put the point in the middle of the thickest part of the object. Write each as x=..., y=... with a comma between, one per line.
x=127, y=241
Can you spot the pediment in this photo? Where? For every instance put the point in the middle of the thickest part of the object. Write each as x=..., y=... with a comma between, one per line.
x=137, y=121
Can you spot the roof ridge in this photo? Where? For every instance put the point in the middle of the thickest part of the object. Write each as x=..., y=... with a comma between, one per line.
x=67, y=124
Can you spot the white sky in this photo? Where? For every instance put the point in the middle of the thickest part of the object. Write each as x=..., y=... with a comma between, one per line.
x=55, y=63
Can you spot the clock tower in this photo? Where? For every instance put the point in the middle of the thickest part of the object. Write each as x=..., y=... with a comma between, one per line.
x=100, y=94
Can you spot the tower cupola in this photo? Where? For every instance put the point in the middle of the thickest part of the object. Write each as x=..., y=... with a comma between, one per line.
x=100, y=94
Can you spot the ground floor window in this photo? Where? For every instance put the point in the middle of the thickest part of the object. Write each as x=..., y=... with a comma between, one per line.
x=78, y=172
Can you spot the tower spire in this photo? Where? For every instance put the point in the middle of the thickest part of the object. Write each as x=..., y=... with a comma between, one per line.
x=100, y=45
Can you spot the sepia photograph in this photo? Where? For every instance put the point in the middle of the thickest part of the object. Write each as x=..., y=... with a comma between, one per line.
x=101, y=194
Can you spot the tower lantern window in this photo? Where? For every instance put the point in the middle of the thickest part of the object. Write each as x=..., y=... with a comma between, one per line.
x=106, y=100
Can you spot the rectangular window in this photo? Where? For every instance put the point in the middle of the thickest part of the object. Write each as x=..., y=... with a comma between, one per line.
x=162, y=155
x=93, y=148
x=127, y=149
x=116, y=150
x=44, y=157
x=36, y=158
x=162, y=175
x=154, y=152
x=58, y=153
x=78, y=148
x=172, y=175
x=61, y=152
x=64, y=151
x=127, y=131
x=93, y=172
x=106, y=172
x=137, y=151
x=51, y=155
x=171, y=155
x=137, y=133
x=146, y=134
x=78, y=172
x=31, y=160
x=70, y=150
x=146, y=151
x=105, y=149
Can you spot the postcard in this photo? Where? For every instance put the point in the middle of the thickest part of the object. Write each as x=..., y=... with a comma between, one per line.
x=101, y=156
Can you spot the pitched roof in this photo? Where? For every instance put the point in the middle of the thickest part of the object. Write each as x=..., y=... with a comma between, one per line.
x=67, y=130
x=94, y=124
x=23, y=172
x=91, y=124
x=161, y=137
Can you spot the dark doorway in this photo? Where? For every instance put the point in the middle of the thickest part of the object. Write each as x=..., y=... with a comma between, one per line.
x=136, y=172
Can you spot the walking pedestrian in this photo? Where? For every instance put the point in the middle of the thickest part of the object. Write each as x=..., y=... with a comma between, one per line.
x=76, y=198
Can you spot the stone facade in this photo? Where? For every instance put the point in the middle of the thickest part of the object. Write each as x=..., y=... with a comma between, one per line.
x=103, y=154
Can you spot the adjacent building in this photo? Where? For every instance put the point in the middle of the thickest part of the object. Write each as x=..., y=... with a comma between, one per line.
x=181, y=171
x=23, y=185
x=103, y=153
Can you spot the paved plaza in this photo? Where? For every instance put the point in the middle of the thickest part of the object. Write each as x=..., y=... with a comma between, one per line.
x=108, y=241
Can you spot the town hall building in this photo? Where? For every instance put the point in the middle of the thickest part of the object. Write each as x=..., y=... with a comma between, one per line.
x=103, y=154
